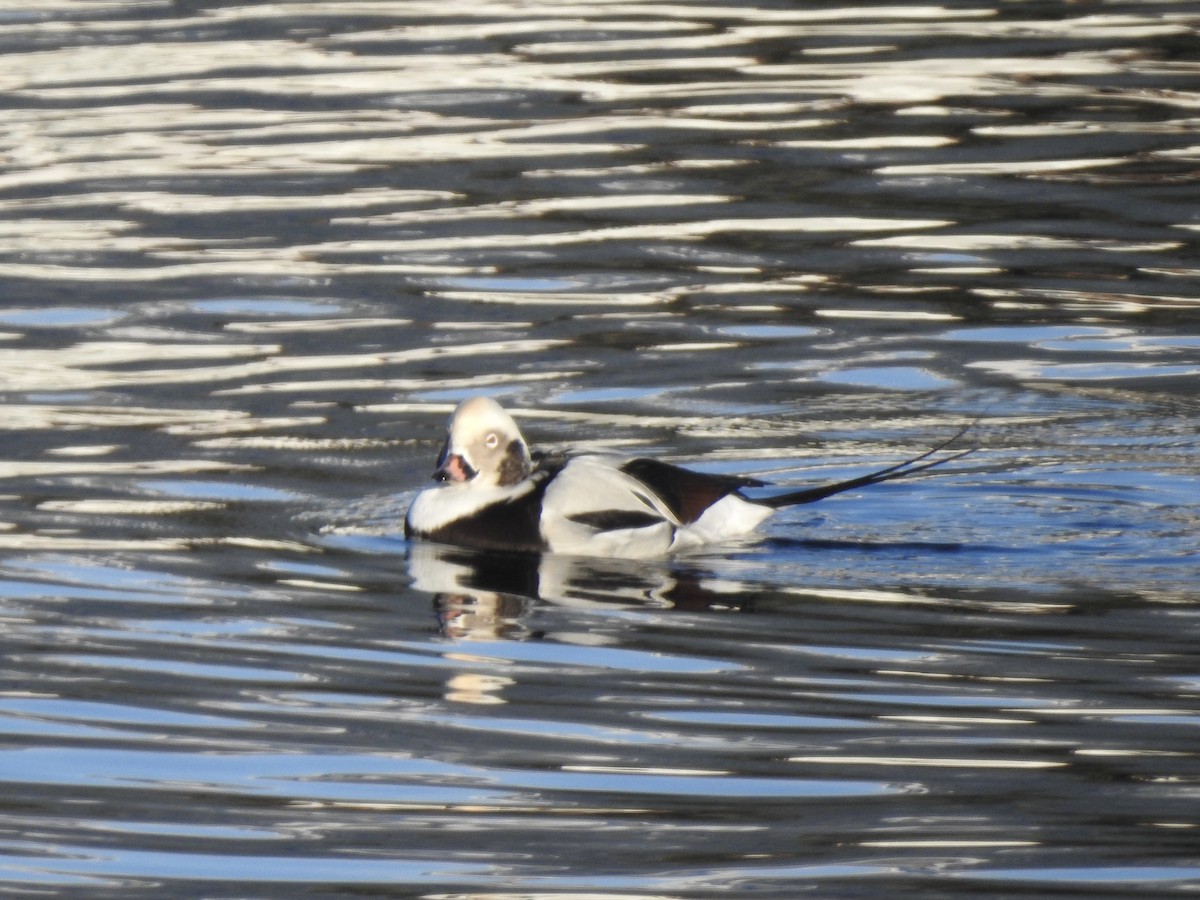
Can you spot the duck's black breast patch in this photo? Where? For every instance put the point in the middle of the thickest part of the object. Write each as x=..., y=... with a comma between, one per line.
x=508, y=525
x=616, y=519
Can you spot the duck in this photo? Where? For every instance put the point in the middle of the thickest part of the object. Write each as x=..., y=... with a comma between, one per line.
x=492, y=493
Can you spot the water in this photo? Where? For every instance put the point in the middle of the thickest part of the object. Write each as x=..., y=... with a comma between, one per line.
x=252, y=255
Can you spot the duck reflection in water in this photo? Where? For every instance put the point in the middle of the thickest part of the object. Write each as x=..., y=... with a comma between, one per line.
x=482, y=595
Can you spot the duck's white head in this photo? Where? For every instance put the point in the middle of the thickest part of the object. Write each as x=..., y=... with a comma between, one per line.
x=484, y=447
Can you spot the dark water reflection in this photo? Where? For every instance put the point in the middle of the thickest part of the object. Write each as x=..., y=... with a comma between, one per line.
x=252, y=255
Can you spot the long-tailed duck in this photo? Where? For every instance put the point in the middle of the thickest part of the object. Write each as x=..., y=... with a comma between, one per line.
x=493, y=494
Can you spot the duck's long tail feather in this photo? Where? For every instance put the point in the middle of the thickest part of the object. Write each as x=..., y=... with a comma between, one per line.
x=911, y=466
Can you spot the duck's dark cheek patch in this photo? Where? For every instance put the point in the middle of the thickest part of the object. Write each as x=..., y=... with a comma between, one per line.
x=514, y=465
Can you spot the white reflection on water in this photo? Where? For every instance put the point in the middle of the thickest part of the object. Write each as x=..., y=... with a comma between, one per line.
x=984, y=242
x=81, y=367
x=1083, y=372
x=140, y=467
x=1001, y=167
x=954, y=762
x=129, y=507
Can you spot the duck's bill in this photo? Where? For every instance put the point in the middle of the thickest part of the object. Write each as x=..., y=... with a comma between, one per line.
x=454, y=468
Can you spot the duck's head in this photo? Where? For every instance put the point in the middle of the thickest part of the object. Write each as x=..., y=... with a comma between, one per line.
x=484, y=447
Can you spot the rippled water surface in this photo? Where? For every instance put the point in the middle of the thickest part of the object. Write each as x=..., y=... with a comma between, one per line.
x=252, y=255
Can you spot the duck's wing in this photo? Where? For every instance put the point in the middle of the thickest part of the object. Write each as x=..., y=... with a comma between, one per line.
x=595, y=507
x=686, y=493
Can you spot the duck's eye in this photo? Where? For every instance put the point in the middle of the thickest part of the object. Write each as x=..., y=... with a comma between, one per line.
x=492, y=441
